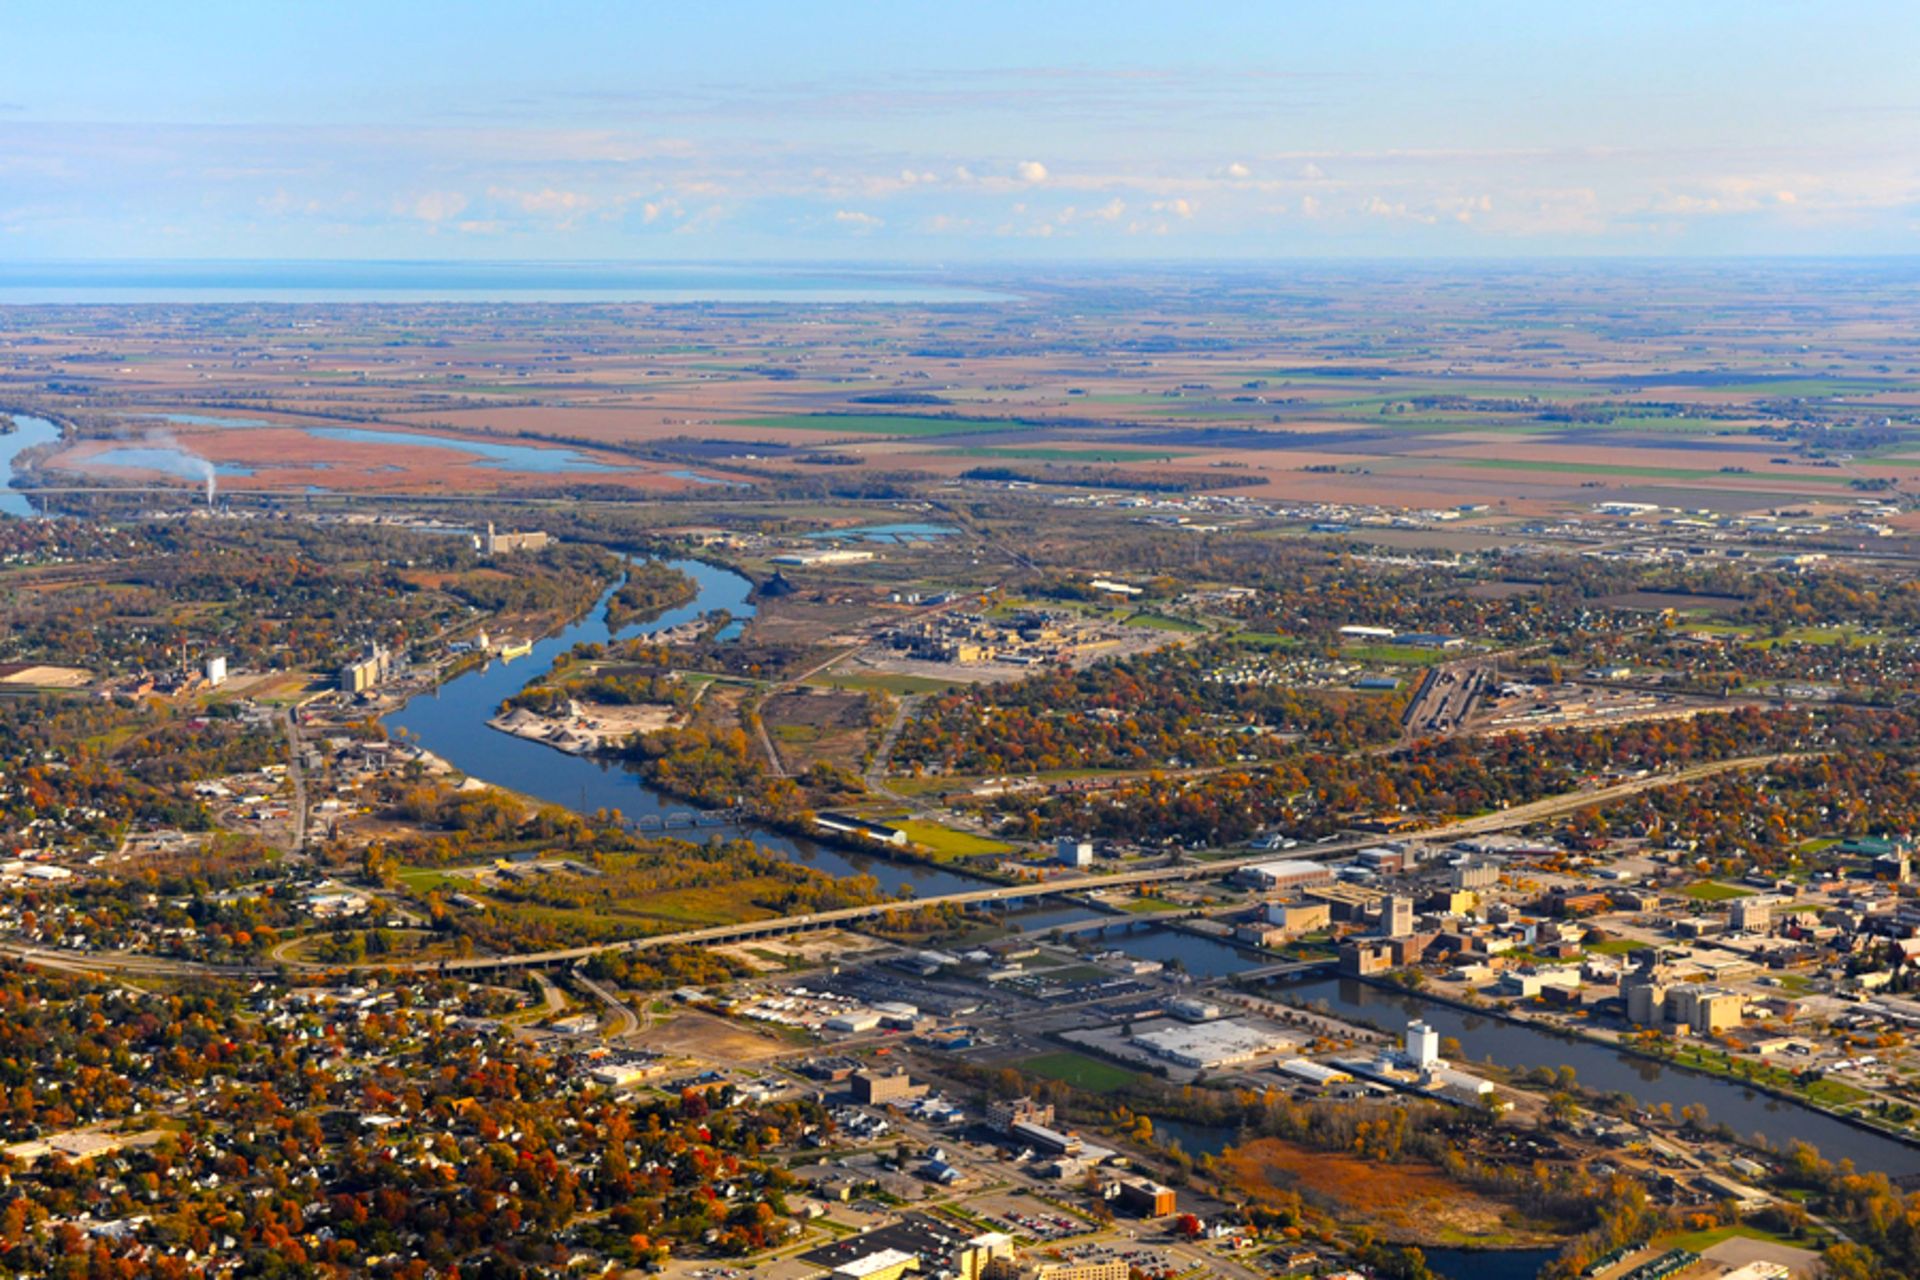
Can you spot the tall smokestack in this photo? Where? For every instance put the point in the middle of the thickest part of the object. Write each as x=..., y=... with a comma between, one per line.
x=210, y=484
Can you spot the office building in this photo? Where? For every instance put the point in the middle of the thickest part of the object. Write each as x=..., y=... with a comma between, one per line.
x=1145, y=1197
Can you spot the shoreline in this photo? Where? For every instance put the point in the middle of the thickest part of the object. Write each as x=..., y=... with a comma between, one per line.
x=1772, y=1091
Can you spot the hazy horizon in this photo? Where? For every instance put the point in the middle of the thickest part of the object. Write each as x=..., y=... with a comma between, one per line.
x=762, y=132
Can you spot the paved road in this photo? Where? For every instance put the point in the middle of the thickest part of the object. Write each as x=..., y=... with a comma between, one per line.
x=625, y=1020
x=1500, y=820
x=299, y=778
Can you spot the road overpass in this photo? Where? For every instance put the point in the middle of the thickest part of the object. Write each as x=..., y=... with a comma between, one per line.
x=1013, y=894
x=1213, y=869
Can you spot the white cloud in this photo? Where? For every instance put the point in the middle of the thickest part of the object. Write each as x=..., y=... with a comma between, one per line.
x=437, y=206
x=1111, y=211
x=857, y=220
x=1031, y=171
x=1178, y=208
x=547, y=200
x=1312, y=172
x=1236, y=171
x=1375, y=207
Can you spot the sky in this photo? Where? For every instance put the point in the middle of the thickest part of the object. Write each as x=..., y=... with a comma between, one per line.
x=951, y=133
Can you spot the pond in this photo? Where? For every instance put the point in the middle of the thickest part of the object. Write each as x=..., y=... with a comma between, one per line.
x=890, y=533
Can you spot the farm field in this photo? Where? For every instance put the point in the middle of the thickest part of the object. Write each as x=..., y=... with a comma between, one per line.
x=1470, y=407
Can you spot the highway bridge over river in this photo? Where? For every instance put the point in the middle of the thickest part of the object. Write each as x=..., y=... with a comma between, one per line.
x=1012, y=895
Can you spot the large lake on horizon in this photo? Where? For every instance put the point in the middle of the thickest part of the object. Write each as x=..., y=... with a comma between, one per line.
x=133, y=282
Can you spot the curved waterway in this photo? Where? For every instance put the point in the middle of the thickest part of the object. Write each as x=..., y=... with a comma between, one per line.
x=451, y=722
x=1747, y=1112
x=27, y=433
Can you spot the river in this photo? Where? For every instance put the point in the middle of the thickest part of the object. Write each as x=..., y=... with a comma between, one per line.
x=1512, y=1045
x=27, y=433
x=451, y=722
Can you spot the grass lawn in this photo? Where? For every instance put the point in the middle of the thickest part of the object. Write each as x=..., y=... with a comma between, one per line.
x=1615, y=947
x=1080, y=1071
x=887, y=683
x=1701, y=1241
x=1835, y=1093
x=1808, y=635
x=884, y=424
x=424, y=880
x=1162, y=622
x=1039, y=453
x=1265, y=640
x=1399, y=654
x=1143, y=905
x=1714, y=891
x=948, y=842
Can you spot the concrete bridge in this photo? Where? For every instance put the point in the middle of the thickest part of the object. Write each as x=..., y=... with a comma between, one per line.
x=1285, y=969
x=748, y=931
x=685, y=819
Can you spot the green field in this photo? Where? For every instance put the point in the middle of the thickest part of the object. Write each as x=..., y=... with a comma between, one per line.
x=884, y=424
x=1699, y=1241
x=1714, y=891
x=1397, y=654
x=885, y=683
x=1766, y=474
x=1163, y=622
x=948, y=842
x=1039, y=453
x=1265, y=640
x=1080, y=1071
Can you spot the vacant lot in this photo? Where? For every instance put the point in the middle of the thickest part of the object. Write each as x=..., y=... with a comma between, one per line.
x=1080, y=1071
x=1402, y=1201
x=950, y=843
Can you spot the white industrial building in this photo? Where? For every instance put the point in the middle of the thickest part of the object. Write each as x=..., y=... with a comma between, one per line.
x=1314, y=1073
x=1423, y=1046
x=1205, y=1045
x=1284, y=873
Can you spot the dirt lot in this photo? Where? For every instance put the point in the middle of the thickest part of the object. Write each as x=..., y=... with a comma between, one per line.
x=711, y=1039
x=818, y=724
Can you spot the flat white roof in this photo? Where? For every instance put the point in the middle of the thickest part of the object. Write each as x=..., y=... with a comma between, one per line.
x=875, y=1262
